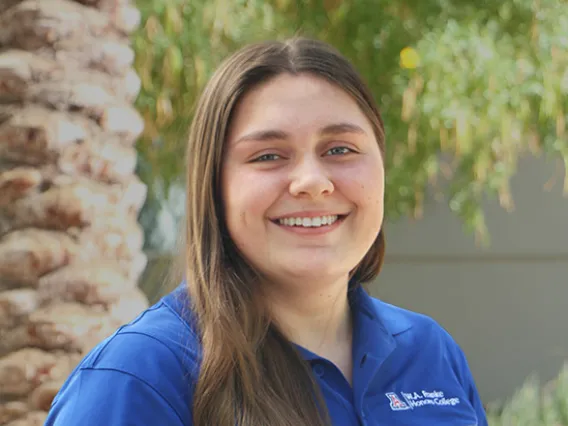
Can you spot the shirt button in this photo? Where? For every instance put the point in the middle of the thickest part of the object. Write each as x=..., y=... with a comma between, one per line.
x=318, y=369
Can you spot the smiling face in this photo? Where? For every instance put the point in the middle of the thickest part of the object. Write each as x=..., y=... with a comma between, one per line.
x=302, y=180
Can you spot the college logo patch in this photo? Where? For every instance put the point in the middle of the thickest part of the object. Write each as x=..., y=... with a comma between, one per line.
x=396, y=404
x=412, y=400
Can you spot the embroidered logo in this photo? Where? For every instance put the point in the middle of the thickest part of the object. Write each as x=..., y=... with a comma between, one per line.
x=412, y=400
x=396, y=404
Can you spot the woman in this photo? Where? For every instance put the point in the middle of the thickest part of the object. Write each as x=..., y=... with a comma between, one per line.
x=285, y=205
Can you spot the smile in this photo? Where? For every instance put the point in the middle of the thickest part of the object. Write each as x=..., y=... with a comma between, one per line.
x=309, y=222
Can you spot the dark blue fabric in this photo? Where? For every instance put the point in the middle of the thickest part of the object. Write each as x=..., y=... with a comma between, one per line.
x=406, y=371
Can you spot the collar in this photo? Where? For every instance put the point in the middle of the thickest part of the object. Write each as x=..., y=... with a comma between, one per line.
x=375, y=325
x=393, y=319
x=375, y=322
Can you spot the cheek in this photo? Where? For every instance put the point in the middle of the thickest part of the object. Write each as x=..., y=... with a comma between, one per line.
x=364, y=185
x=375, y=193
x=247, y=198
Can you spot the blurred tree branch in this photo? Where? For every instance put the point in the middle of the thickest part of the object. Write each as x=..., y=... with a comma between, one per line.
x=466, y=87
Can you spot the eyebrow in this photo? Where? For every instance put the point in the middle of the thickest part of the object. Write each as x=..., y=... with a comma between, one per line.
x=329, y=130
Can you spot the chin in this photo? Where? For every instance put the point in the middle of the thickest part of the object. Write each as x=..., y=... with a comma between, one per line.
x=310, y=271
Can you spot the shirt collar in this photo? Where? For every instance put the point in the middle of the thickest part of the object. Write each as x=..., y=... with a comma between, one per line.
x=391, y=318
x=375, y=324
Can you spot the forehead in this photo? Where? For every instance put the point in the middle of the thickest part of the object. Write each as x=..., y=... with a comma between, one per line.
x=295, y=103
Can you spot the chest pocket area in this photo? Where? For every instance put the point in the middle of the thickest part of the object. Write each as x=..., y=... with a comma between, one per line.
x=423, y=407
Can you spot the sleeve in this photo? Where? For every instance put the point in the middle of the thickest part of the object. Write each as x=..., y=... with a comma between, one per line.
x=462, y=369
x=474, y=398
x=111, y=398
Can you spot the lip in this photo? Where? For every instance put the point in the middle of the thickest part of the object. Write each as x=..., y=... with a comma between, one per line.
x=316, y=213
x=310, y=231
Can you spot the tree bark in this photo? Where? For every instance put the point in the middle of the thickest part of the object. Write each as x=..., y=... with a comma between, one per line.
x=70, y=245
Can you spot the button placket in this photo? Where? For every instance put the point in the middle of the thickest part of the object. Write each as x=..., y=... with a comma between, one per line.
x=319, y=370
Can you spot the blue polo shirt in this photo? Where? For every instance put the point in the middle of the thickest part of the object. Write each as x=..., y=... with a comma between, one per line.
x=406, y=371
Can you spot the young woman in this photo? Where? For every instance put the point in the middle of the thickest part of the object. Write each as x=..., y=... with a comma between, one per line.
x=285, y=188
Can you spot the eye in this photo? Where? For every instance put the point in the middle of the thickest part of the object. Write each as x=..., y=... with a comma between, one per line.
x=339, y=150
x=266, y=157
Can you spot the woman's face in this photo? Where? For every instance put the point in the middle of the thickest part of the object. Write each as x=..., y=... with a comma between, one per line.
x=303, y=180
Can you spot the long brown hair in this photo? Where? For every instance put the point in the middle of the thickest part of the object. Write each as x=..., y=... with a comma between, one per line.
x=250, y=375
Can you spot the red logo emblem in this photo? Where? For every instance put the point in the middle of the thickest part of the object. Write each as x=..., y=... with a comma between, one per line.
x=396, y=404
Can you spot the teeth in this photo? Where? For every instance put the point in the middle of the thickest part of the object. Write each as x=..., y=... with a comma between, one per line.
x=308, y=222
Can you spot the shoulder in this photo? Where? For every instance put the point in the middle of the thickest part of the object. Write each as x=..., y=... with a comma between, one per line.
x=413, y=330
x=149, y=365
x=157, y=342
x=428, y=361
x=398, y=320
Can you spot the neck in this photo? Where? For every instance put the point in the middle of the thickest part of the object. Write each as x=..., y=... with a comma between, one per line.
x=316, y=317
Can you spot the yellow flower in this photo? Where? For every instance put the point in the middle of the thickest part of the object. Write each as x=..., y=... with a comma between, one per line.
x=409, y=58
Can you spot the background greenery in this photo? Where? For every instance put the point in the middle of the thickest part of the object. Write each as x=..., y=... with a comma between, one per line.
x=466, y=87
x=535, y=405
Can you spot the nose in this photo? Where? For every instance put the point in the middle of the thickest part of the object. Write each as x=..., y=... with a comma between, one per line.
x=310, y=179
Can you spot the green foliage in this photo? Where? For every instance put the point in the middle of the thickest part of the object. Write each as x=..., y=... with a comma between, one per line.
x=535, y=406
x=465, y=86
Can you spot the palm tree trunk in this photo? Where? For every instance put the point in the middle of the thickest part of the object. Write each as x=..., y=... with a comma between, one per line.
x=70, y=245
